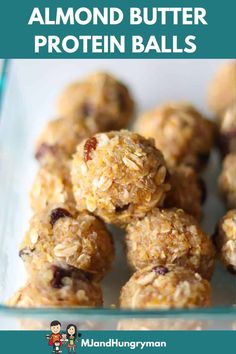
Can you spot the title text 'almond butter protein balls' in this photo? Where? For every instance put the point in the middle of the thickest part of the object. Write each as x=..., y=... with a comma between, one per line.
x=167, y=236
x=183, y=135
x=118, y=176
x=56, y=286
x=103, y=102
x=165, y=287
x=60, y=234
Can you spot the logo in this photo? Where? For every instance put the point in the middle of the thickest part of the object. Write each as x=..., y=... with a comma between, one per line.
x=59, y=341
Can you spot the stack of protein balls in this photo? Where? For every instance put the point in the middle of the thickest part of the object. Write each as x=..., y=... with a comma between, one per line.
x=146, y=182
x=222, y=101
x=67, y=250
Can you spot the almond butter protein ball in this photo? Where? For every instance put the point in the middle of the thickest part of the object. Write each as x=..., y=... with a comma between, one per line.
x=60, y=234
x=103, y=102
x=187, y=191
x=227, y=181
x=227, y=131
x=222, y=89
x=167, y=236
x=61, y=134
x=165, y=287
x=56, y=286
x=225, y=240
x=118, y=176
x=184, y=135
x=52, y=183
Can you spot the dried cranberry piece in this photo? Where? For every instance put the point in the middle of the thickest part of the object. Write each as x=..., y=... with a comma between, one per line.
x=161, y=270
x=71, y=272
x=44, y=149
x=57, y=214
x=89, y=146
x=58, y=275
x=120, y=209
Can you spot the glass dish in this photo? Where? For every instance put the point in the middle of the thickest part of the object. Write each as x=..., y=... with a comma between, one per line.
x=28, y=92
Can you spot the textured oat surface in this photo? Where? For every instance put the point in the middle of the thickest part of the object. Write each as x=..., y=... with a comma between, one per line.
x=225, y=239
x=180, y=132
x=58, y=233
x=118, y=176
x=101, y=100
x=187, y=191
x=62, y=133
x=227, y=181
x=169, y=236
x=71, y=131
x=165, y=287
x=52, y=183
x=54, y=286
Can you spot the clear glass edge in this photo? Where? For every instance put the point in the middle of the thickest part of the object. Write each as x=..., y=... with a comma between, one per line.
x=3, y=79
x=226, y=312
x=203, y=313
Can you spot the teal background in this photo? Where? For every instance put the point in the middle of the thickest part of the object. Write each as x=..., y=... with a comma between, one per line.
x=217, y=40
x=195, y=342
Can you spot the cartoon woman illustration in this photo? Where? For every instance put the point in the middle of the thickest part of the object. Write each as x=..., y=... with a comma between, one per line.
x=71, y=333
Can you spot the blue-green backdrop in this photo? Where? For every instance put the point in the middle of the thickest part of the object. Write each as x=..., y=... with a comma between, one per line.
x=191, y=342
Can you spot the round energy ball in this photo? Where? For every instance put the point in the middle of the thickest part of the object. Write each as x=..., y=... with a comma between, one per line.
x=54, y=286
x=227, y=181
x=222, y=89
x=227, y=131
x=225, y=240
x=61, y=134
x=102, y=101
x=118, y=176
x=167, y=236
x=52, y=184
x=59, y=234
x=187, y=191
x=165, y=287
x=180, y=132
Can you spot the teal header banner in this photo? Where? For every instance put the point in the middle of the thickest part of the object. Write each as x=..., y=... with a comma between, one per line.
x=117, y=29
x=40, y=342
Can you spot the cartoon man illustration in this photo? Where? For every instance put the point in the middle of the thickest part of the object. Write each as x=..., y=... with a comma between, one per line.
x=55, y=339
